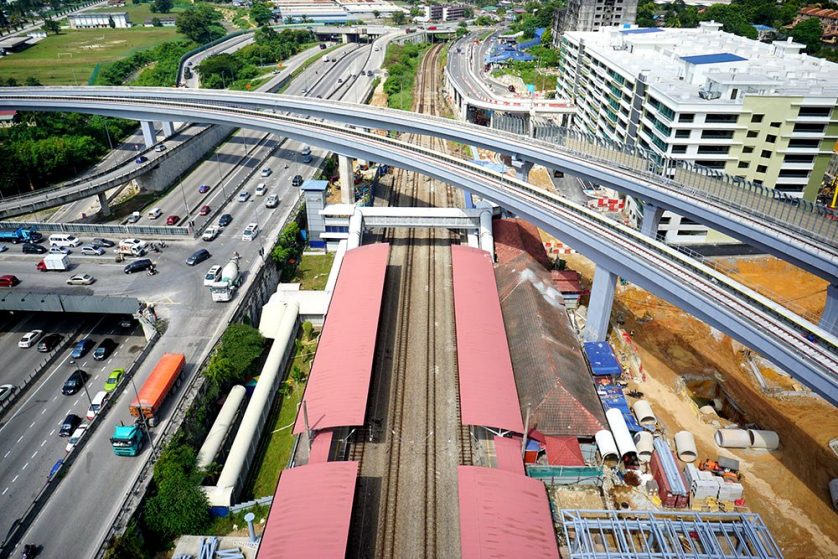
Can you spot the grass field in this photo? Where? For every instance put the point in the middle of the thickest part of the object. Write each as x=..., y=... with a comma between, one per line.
x=70, y=57
x=313, y=271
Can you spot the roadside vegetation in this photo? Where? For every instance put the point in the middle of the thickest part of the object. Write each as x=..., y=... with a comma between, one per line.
x=236, y=70
x=157, y=66
x=286, y=253
x=313, y=271
x=402, y=65
x=276, y=449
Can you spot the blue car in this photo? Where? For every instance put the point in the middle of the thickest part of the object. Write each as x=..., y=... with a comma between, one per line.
x=81, y=348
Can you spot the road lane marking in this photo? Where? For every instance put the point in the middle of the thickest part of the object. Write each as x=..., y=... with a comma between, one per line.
x=51, y=432
x=43, y=443
x=31, y=425
x=34, y=454
x=43, y=411
x=21, y=437
x=25, y=466
x=4, y=491
x=15, y=478
x=7, y=454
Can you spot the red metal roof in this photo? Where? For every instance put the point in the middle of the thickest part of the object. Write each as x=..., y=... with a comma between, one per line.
x=513, y=236
x=508, y=454
x=564, y=451
x=336, y=394
x=320, y=447
x=488, y=395
x=504, y=515
x=310, y=512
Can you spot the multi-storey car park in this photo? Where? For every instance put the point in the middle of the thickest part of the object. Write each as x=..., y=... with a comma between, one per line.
x=765, y=113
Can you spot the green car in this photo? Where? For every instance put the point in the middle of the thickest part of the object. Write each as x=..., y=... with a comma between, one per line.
x=113, y=380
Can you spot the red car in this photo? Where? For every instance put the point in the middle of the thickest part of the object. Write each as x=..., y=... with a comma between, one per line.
x=9, y=281
x=205, y=210
x=172, y=220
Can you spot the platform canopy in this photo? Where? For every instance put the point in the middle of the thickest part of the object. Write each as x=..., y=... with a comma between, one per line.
x=503, y=514
x=488, y=396
x=337, y=389
x=310, y=512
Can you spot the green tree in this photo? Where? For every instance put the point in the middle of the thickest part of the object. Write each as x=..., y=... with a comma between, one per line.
x=178, y=505
x=462, y=32
x=155, y=22
x=52, y=26
x=809, y=33
x=732, y=18
x=111, y=23
x=32, y=82
x=376, y=14
x=398, y=18
x=260, y=13
x=161, y=6
x=201, y=23
x=219, y=70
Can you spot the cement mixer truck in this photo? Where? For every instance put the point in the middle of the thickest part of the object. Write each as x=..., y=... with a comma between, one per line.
x=223, y=289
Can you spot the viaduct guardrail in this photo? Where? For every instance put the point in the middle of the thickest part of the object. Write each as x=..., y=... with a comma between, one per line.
x=743, y=314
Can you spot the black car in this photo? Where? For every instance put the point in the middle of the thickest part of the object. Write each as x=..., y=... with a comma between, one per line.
x=126, y=321
x=70, y=424
x=104, y=349
x=74, y=382
x=49, y=342
x=297, y=180
x=98, y=241
x=138, y=266
x=197, y=257
x=31, y=248
x=225, y=220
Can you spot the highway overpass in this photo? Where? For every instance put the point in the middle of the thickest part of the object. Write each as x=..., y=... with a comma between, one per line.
x=748, y=317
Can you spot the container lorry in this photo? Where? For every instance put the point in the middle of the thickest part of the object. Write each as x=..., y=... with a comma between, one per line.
x=54, y=263
x=127, y=440
x=20, y=235
x=162, y=381
x=223, y=289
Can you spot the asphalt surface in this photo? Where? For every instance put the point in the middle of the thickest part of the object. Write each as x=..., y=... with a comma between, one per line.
x=16, y=363
x=94, y=487
x=29, y=441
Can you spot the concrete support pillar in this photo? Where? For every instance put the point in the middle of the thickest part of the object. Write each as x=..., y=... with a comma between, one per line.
x=522, y=170
x=651, y=219
x=599, y=308
x=168, y=129
x=829, y=318
x=347, y=180
x=103, y=204
x=148, y=133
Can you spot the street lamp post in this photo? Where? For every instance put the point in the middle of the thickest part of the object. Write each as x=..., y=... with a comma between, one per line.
x=142, y=418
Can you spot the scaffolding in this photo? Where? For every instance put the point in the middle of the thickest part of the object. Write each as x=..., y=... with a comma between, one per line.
x=603, y=534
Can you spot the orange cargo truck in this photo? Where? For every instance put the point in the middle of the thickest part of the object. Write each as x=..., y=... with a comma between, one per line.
x=163, y=378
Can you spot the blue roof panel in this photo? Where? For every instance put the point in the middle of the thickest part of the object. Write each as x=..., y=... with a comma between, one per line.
x=713, y=58
x=602, y=359
x=641, y=30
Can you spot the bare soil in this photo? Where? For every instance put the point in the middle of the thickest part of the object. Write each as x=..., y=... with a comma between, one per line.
x=787, y=487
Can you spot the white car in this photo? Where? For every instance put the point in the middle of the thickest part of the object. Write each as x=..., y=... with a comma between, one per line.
x=76, y=437
x=81, y=279
x=92, y=250
x=272, y=201
x=55, y=249
x=131, y=243
x=244, y=196
x=213, y=275
x=210, y=233
x=261, y=189
x=6, y=390
x=250, y=232
x=160, y=147
x=266, y=172
x=30, y=338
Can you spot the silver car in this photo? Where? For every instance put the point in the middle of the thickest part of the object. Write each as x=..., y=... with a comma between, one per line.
x=81, y=279
x=92, y=250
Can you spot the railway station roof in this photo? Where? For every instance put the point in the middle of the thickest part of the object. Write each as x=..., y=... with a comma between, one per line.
x=337, y=389
x=503, y=514
x=311, y=510
x=488, y=396
x=508, y=454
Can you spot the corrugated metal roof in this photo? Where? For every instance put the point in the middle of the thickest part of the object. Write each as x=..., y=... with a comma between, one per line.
x=514, y=236
x=550, y=370
x=602, y=359
x=717, y=58
x=310, y=513
x=336, y=394
x=487, y=386
x=508, y=454
x=641, y=31
x=320, y=447
x=504, y=515
x=564, y=451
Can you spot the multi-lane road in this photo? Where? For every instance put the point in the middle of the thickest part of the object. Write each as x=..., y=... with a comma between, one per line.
x=94, y=487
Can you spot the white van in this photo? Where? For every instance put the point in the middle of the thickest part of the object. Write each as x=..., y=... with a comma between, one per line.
x=154, y=213
x=64, y=240
x=97, y=403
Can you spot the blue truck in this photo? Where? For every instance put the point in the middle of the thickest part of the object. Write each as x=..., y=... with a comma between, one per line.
x=20, y=235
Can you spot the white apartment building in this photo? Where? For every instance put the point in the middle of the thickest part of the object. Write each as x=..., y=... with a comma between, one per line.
x=764, y=112
x=92, y=20
x=592, y=15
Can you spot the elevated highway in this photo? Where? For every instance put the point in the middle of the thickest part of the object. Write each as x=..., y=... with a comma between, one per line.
x=748, y=317
x=794, y=230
